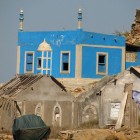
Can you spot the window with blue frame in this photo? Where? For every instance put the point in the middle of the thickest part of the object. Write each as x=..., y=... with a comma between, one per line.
x=102, y=63
x=65, y=62
x=29, y=61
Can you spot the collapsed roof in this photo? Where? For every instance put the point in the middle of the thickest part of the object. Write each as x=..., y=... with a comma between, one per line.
x=34, y=87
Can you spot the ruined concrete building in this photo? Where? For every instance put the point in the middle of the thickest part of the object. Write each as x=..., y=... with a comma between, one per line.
x=134, y=36
x=41, y=95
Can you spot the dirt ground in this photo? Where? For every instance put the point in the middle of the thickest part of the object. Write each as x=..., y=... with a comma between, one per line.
x=92, y=134
x=102, y=134
x=5, y=136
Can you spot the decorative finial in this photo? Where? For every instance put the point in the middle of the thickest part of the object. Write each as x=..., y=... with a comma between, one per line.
x=80, y=13
x=44, y=40
x=79, y=18
x=21, y=18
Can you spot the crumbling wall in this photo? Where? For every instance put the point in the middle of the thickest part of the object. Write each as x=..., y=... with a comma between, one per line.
x=89, y=110
x=7, y=114
x=113, y=93
x=61, y=114
x=134, y=36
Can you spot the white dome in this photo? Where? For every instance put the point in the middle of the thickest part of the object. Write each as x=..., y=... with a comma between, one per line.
x=44, y=46
x=21, y=11
x=80, y=10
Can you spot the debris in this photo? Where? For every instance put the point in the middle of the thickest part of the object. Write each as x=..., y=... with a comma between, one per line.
x=67, y=135
x=6, y=136
x=134, y=36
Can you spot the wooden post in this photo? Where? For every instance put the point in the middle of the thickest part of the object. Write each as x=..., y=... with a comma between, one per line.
x=121, y=112
x=131, y=110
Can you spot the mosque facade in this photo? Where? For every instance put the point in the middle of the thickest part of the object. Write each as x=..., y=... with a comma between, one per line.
x=69, y=53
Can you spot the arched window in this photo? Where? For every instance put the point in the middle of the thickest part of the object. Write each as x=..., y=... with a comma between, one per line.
x=44, y=59
x=18, y=108
x=57, y=115
x=38, y=110
x=89, y=114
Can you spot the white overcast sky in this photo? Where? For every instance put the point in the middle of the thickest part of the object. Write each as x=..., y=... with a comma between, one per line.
x=103, y=16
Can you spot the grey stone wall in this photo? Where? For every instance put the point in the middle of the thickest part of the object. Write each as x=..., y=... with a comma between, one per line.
x=68, y=112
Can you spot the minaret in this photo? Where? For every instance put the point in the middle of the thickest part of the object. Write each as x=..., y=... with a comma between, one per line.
x=79, y=18
x=21, y=18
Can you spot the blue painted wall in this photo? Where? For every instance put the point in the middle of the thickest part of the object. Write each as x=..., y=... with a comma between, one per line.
x=30, y=41
x=102, y=39
x=67, y=41
x=89, y=61
x=61, y=38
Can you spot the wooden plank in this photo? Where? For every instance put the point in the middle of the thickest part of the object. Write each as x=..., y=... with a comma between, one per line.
x=121, y=111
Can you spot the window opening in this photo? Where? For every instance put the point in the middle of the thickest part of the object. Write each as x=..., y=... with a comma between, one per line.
x=57, y=116
x=102, y=63
x=29, y=62
x=131, y=56
x=38, y=110
x=65, y=62
x=89, y=114
x=39, y=63
x=44, y=62
x=101, y=59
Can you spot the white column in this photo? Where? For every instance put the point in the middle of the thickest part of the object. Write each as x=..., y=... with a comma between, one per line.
x=18, y=60
x=78, y=66
x=42, y=60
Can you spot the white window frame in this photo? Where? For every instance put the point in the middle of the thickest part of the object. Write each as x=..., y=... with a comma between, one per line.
x=62, y=71
x=43, y=58
x=49, y=58
x=28, y=52
x=97, y=64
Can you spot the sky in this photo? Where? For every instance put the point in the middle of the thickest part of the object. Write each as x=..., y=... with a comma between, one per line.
x=103, y=16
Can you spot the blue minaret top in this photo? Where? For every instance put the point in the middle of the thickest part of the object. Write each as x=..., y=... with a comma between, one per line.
x=80, y=14
x=21, y=18
x=79, y=18
x=21, y=15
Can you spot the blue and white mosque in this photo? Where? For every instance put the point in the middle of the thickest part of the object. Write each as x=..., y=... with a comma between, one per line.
x=70, y=53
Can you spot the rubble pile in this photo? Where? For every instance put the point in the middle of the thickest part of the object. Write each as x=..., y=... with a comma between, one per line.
x=134, y=36
x=125, y=133
x=78, y=86
x=6, y=136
